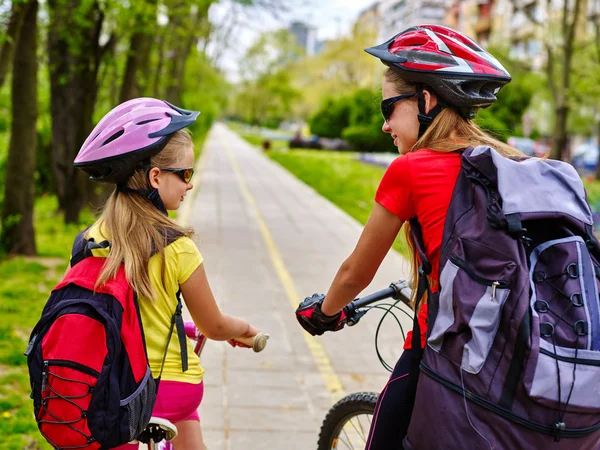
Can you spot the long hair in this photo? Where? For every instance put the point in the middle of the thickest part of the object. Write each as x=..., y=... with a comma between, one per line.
x=448, y=132
x=136, y=228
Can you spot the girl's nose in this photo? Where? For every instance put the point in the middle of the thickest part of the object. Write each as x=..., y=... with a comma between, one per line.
x=386, y=127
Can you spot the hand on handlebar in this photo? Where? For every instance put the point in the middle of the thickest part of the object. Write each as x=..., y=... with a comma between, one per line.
x=252, y=331
x=312, y=319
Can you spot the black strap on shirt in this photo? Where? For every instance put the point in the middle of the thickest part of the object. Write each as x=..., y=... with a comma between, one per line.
x=422, y=288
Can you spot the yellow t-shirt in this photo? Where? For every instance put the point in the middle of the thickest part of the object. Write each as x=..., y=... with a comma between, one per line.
x=182, y=258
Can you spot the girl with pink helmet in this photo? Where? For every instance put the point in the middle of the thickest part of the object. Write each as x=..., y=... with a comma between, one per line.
x=142, y=147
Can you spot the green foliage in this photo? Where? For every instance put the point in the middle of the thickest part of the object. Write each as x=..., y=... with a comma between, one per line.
x=24, y=288
x=493, y=125
x=266, y=95
x=53, y=237
x=369, y=138
x=355, y=118
x=339, y=177
x=206, y=90
x=331, y=119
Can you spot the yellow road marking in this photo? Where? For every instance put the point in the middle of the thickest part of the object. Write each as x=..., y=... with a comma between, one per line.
x=332, y=382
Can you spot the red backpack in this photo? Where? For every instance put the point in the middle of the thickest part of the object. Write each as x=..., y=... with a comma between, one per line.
x=91, y=384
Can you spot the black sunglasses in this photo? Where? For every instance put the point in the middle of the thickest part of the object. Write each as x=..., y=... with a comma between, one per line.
x=185, y=174
x=387, y=105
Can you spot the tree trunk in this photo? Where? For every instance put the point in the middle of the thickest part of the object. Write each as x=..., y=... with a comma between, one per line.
x=17, y=14
x=598, y=142
x=74, y=58
x=559, y=135
x=135, y=77
x=17, y=212
x=139, y=52
x=185, y=31
x=156, y=90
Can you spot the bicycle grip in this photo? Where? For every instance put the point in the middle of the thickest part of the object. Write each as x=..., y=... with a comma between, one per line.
x=258, y=342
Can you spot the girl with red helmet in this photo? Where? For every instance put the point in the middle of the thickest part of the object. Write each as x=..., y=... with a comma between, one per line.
x=143, y=148
x=436, y=80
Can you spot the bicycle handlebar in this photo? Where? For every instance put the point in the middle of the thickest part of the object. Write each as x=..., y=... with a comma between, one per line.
x=398, y=290
x=256, y=343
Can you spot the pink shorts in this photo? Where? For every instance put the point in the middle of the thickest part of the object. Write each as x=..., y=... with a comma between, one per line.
x=176, y=401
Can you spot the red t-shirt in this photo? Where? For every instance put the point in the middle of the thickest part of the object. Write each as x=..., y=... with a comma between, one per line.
x=420, y=184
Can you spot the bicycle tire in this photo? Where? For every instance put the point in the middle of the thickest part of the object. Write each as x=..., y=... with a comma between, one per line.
x=358, y=403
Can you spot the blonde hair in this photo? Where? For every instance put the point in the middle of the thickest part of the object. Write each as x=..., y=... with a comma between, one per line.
x=152, y=229
x=448, y=132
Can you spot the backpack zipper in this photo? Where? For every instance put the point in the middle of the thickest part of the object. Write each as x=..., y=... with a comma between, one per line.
x=585, y=362
x=494, y=408
x=71, y=365
x=494, y=284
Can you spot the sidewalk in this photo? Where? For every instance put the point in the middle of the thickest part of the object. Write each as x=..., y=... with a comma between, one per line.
x=268, y=241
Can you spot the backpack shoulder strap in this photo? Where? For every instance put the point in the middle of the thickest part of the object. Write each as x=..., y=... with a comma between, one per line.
x=82, y=247
x=177, y=322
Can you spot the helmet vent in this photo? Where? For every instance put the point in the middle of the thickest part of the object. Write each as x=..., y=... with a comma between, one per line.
x=143, y=122
x=113, y=137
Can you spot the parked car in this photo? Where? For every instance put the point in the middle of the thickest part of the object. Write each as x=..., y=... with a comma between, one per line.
x=528, y=146
x=523, y=144
x=299, y=142
x=335, y=144
x=585, y=156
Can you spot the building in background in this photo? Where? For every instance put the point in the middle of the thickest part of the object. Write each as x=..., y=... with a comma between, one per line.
x=398, y=15
x=369, y=19
x=505, y=24
x=306, y=35
x=475, y=18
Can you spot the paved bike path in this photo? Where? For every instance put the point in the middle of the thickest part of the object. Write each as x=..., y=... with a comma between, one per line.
x=269, y=240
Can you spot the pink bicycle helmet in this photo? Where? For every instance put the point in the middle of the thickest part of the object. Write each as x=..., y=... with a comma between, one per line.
x=128, y=135
x=462, y=74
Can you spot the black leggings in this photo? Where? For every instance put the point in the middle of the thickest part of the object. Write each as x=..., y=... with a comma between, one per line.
x=393, y=409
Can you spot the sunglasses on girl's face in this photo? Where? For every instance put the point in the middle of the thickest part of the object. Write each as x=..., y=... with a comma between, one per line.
x=184, y=174
x=387, y=105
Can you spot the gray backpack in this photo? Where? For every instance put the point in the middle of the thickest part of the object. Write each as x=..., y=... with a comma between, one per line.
x=513, y=347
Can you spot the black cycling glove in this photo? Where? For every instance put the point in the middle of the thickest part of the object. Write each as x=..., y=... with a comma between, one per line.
x=312, y=319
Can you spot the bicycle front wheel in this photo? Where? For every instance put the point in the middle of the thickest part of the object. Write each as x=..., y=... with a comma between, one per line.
x=347, y=423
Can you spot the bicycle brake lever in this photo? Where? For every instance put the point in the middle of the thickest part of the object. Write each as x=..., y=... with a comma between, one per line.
x=353, y=320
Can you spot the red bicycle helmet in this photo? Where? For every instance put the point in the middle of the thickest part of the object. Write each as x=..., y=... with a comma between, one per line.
x=460, y=72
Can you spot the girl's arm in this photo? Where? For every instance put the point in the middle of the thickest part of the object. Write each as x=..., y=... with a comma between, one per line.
x=357, y=272
x=206, y=314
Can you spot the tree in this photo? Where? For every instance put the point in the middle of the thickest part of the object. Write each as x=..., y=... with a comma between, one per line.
x=75, y=54
x=559, y=43
x=339, y=69
x=267, y=94
x=135, y=76
x=595, y=19
x=8, y=39
x=17, y=212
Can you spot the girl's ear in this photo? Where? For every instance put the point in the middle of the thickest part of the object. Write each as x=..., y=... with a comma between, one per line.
x=430, y=101
x=153, y=176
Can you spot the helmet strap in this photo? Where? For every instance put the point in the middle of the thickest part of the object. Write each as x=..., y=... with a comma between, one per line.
x=425, y=118
x=151, y=195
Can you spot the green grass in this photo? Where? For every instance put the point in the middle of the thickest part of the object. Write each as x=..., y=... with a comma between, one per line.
x=339, y=177
x=592, y=188
x=25, y=285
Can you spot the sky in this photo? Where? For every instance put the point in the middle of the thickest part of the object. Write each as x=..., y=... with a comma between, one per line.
x=331, y=18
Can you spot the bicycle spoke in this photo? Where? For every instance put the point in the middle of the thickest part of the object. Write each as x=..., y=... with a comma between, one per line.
x=361, y=432
x=353, y=434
